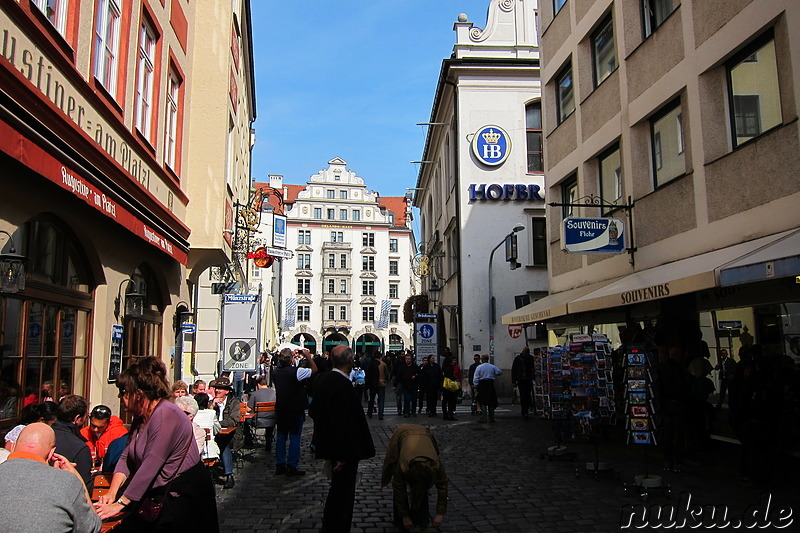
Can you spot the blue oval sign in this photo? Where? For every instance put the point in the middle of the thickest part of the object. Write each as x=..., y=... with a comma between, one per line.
x=491, y=145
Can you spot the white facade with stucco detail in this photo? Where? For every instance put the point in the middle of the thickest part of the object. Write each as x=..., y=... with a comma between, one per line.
x=352, y=251
x=467, y=207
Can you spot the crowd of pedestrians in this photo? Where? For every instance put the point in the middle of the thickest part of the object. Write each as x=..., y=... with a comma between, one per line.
x=181, y=439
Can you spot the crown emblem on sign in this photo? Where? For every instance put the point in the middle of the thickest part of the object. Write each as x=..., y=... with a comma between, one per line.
x=491, y=137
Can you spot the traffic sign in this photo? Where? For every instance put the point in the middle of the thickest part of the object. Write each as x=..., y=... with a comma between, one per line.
x=239, y=354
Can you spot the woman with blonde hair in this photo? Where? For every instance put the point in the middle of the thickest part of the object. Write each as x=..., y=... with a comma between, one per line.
x=159, y=479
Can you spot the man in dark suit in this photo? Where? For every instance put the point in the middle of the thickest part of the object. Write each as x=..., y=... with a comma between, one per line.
x=341, y=436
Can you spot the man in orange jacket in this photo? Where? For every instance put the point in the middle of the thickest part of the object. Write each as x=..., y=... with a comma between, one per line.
x=103, y=428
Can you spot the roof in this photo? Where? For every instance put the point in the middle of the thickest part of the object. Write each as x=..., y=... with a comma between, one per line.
x=397, y=205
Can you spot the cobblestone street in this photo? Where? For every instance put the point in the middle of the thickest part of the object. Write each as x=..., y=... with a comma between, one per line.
x=499, y=481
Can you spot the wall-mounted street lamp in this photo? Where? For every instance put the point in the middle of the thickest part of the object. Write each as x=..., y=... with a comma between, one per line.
x=133, y=301
x=517, y=228
x=12, y=268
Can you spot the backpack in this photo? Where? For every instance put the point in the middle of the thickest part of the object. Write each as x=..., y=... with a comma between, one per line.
x=358, y=376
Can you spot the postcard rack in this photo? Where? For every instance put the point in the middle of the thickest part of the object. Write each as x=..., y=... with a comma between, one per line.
x=640, y=416
x=574, y=389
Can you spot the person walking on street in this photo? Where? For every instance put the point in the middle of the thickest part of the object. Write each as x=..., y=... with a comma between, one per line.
x=407, y=378
x=432, y=378
x=473, y=392
x=341, y=436
x=371, y=380
x=449, y=397
x=522, y=370
x=484, y=378
x=383, y=379
x=291, y=402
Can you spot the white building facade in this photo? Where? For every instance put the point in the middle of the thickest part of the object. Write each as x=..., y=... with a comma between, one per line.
x=481, y=176
x=351, y=270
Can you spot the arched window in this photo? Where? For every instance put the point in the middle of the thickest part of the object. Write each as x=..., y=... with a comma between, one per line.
x=44, y=329
x=142, y=332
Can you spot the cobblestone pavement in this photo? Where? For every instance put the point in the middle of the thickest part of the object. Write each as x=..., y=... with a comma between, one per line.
x=501, y=479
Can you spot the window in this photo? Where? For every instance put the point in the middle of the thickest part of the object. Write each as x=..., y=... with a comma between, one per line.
x=557, y=5
x=106, y=44
x=257, y=272
x=539, y=241
x=318, y=213
x=368, y=239
x=356, y=215
x=754, y=91
x=343, y=195
x=565, y=97
x=304, y=236
x=331, y=260
x=342, y=312
x=331, y=214
x=393, y=245
x=171, y=122
x=144, y=79
x=666, y=129
x=569, y=195
x=603, y=52
x=331, y=286
x=337, y=236
x=655, y=12
x=303, y=261
x=55, y=11
x=331, y=194
x=533, y=134
x=393, y=290
x=331, y=312
x=367, y=263
x=393, y=268
x=303, y=286
x=342, y=214
x=393, y=316
x=343, y=261
x=368, y=314
x=304, y=313
x=610, y=177
x=342, y=286
x=368, y=288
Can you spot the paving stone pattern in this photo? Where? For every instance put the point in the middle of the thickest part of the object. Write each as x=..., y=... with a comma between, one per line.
x=499, y=481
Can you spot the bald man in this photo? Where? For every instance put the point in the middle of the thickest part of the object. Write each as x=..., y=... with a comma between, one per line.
x=57, y=493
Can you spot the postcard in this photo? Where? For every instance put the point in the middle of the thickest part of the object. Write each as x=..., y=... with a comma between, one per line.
x=637, y=398
x=640, y=424
x=636, y=359
x=639, y=411
x=637, y=384
x=641, y=437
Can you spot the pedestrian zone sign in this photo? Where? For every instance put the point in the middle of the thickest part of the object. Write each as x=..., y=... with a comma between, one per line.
x=240, y=354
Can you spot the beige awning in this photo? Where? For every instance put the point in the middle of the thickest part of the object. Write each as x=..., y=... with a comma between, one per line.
x=779, y=259
x=550, y=306
x=680, y=277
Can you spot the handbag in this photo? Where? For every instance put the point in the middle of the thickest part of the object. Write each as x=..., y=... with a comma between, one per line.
x=450, y=385
x=151, y=506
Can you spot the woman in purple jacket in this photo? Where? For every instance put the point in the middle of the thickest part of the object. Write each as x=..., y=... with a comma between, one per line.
x=161, y=463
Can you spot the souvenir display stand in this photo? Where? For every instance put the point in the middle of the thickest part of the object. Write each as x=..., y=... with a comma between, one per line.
x=640, y=419
x=574, y=389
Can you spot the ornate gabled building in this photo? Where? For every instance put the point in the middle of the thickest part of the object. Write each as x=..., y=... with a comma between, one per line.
x=351, y=270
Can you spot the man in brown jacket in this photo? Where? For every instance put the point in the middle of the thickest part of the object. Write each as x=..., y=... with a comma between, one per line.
x=413, y=465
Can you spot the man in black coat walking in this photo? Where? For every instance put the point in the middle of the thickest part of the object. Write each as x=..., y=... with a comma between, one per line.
x=341, y=436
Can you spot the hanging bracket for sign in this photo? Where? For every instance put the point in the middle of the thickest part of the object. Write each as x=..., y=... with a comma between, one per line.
x=597, y=202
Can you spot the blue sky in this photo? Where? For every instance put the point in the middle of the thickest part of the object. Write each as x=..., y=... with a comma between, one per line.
x=349, y=79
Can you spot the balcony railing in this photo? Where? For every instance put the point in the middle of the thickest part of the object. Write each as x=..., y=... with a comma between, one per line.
x=336, y=297
x=330, y=245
